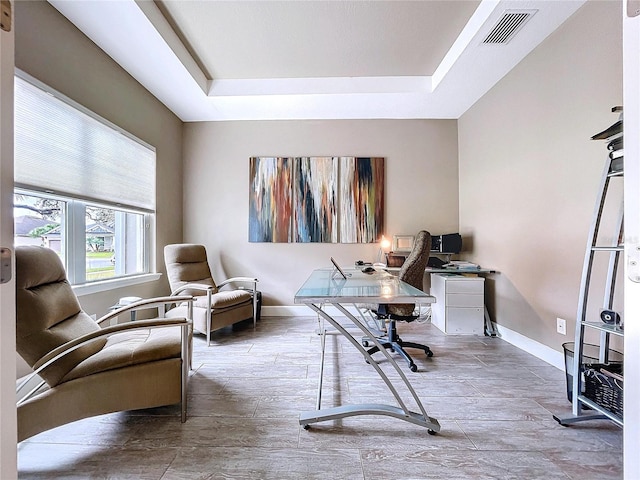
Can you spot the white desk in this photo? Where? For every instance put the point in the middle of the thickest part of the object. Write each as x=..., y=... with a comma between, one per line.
x=328, y=287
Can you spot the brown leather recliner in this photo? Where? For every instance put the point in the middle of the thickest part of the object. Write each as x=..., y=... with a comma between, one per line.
x=87, y=370
x=213, y=308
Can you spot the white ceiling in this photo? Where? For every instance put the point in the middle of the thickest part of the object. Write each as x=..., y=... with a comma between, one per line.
x=210, y=60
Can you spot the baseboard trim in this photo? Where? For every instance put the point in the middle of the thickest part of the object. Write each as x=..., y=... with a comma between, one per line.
x=537, y=349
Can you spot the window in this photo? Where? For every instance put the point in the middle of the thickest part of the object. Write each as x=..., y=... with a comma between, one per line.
x=84, y=187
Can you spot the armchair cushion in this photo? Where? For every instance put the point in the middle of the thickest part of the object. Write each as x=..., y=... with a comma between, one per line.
x=224, y=299
x=130, y=348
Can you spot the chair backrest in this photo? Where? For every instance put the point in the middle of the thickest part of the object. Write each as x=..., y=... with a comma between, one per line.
x=187, y=263
x=412, y=272
x=48, y=313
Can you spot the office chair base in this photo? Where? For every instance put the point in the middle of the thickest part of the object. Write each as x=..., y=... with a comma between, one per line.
x=397, y=345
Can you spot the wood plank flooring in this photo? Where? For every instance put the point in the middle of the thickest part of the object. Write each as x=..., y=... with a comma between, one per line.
x=493, y=401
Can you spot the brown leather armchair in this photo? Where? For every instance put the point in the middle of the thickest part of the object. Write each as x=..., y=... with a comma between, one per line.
x=80, y=369
x=213, y=307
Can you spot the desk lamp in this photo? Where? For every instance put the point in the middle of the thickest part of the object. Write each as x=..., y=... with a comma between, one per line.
x=385, y=245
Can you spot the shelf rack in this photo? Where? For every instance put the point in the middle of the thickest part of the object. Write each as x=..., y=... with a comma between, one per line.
x=584, y=408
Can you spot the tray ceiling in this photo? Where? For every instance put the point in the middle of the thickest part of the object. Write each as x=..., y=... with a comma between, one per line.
x=271, y=60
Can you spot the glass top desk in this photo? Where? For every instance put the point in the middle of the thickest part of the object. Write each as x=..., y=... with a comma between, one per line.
x=329, y=287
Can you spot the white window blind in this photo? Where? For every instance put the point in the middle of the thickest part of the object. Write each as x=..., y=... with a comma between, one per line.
x=60, y=148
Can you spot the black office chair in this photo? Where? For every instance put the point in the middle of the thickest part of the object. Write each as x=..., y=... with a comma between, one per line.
x=411, y=272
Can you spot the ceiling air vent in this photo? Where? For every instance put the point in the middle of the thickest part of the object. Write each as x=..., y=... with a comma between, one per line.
x=510, y=22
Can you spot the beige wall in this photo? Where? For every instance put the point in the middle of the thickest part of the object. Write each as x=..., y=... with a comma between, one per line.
x=529, y=174
x=55, y=52
x=421, y=189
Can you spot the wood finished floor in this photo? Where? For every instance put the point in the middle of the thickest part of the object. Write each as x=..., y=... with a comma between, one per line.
x=493, y=401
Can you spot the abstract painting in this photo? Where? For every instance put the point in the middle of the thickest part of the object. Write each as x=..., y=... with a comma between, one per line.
x=316, y=199
x=270, y=204
x=361, y=199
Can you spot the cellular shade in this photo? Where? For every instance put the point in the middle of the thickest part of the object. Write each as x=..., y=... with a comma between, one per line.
x=59, y=148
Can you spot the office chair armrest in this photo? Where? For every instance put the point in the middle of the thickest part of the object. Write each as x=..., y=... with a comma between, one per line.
x=144, y=304
x=76, y=343
x=240, y=279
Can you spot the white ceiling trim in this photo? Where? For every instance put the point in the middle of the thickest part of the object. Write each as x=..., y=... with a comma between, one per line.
x=319, y=86
x=137, y=36
x=469, y=32
x=160, y=23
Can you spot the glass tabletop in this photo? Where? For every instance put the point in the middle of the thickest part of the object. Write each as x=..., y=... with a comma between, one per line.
x=327, y=285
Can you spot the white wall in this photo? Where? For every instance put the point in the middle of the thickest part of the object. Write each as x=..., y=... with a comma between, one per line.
x=421, y=190
x=529, y=173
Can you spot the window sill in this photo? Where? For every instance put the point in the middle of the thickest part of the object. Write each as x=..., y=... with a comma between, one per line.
x=106, y=285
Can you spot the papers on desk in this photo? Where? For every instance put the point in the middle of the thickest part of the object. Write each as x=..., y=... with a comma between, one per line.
x=461, y=265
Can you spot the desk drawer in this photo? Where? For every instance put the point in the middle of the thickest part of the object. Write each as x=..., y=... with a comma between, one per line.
x=464, y=300
x=464, y=321
x=465, y=285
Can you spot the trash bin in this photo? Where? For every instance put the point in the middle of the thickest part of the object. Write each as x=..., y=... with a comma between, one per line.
x=590, y=354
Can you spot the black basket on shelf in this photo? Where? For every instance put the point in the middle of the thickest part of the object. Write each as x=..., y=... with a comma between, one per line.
x=603, y=383
x=590, y=354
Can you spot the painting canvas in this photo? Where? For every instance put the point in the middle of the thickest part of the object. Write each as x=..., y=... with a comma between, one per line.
x=270, y=203
x=361, y=199
x=315, y=199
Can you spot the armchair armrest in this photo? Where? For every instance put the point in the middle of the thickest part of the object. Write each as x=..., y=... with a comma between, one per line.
x=239, y=279
x=191, y=286
x=143, y=305
x=76, y=343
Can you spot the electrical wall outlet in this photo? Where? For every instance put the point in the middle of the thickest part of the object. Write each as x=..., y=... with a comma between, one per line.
x=561, y=326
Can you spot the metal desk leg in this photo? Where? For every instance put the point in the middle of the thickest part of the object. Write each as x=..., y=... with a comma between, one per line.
x=401, y=412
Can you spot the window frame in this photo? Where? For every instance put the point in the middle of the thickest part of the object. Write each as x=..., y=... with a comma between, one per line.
x=74, y=244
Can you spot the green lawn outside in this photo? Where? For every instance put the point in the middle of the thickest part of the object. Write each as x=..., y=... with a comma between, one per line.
x=100, y=273
x=99, y=254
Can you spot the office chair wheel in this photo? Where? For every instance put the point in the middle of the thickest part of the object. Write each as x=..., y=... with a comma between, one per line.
x=365, y=343
x=306, y=427
x=429, y=353
x=432, y=432
x=413, y=367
